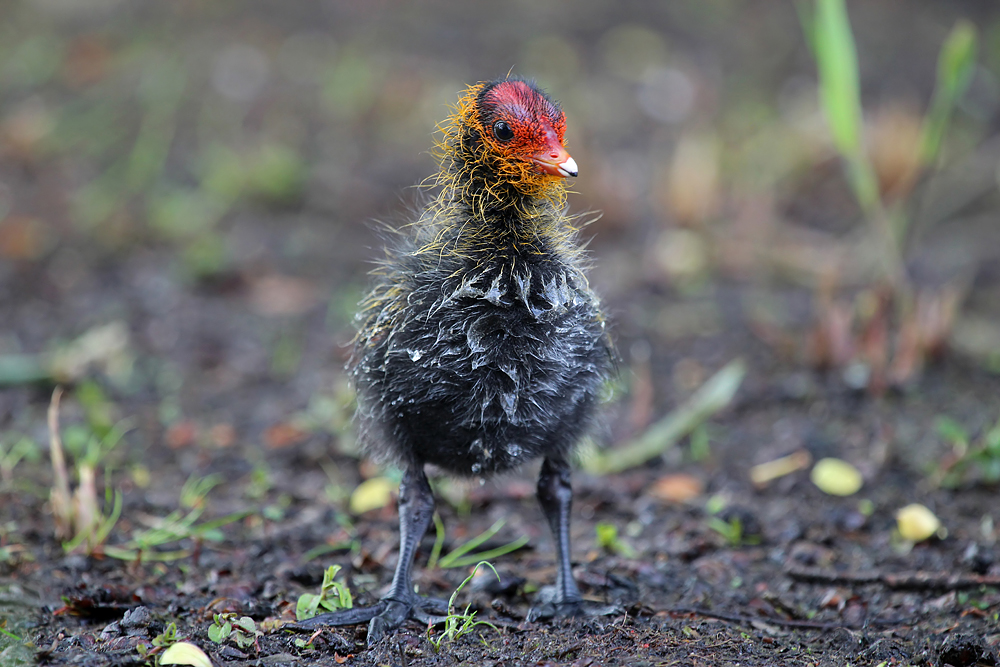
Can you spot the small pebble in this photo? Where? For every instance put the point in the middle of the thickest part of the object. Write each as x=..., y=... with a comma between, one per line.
x=136, y=618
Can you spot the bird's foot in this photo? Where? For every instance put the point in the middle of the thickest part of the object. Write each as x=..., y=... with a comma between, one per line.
x=547, y=607
x=382, y=617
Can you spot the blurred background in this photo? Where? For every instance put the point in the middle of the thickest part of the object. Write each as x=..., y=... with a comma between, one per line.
x=187, y=191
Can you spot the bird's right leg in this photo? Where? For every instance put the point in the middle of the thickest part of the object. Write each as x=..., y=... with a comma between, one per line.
x=416, y=508
x=555, y=495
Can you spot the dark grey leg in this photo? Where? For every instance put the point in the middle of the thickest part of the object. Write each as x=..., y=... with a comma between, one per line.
x=555, y=495
x=416, y=509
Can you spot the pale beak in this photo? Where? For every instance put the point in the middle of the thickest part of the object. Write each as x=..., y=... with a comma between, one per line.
x=558, y=164
x=554, y=159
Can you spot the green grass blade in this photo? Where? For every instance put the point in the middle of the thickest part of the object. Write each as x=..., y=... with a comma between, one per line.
x=449, y=560
x=838, y=74
x=105, y=527
x=489, y=553
x=807, y=20
x=840, y=96
x=432, y=562
x=956, y=64
x=324, y=549
x=120, y=554
x=222, y=521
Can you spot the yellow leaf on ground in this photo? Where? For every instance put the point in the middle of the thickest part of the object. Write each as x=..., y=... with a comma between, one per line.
x=836, y=477
x=916, y=523
x=677, y=488
x=763, y=474
x=183, y=653
x=372, y=494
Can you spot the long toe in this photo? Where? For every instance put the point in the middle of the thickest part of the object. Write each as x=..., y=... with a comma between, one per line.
x=430, y=611
x=433, y=606
x=353, y=616
x=393, y=616
x=382, y=618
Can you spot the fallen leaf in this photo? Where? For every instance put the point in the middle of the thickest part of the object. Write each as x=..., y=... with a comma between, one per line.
x=105, y=347
x=836, y=477
x=372, y=494
x=24, y=237
x=182, y=434
x=23, y=131
x=276, y=295
x=677, y=488
x=916, y=523
x=223, y=435
x=87, y=62
x=183, y=653
x=283, y=435
x=763, y=474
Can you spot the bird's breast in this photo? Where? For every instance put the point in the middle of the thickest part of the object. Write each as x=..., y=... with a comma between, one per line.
x=490, y=362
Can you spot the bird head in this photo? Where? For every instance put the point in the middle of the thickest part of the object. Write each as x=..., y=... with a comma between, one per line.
x=510, y=132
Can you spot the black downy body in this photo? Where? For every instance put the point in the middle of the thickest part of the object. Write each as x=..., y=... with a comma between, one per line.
x=494, y=357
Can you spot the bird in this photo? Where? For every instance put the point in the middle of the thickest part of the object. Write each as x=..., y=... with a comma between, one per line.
x=481, y=345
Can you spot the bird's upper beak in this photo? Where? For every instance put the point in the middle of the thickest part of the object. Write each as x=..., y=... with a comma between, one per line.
x=554, y=159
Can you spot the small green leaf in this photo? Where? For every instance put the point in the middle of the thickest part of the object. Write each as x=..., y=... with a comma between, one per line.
x=951, y=430
x=246, y=624
x=219, y=633
x=607, y=538
x=306, y=606
x=607, y=534
x=993, y=441
x=183, y=653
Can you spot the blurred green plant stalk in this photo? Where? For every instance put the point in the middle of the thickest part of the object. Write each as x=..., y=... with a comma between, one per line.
x=79, y=519
x=105, y=346
x=81, y=522
x=13, y=451
x=893, y=326
x=829, y=32
x=181, y=524
x=969, y=458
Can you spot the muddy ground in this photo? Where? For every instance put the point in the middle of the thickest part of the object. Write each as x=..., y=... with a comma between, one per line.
x=187, y=194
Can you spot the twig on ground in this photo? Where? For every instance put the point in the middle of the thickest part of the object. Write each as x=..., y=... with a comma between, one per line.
x=784, y=622
x=713, y=396
x=914, y=580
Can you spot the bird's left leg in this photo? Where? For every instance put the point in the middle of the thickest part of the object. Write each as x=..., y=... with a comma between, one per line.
x=555, y=495
x=416, y=508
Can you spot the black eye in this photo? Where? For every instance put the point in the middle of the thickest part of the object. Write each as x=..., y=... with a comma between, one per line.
x=502, y=131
